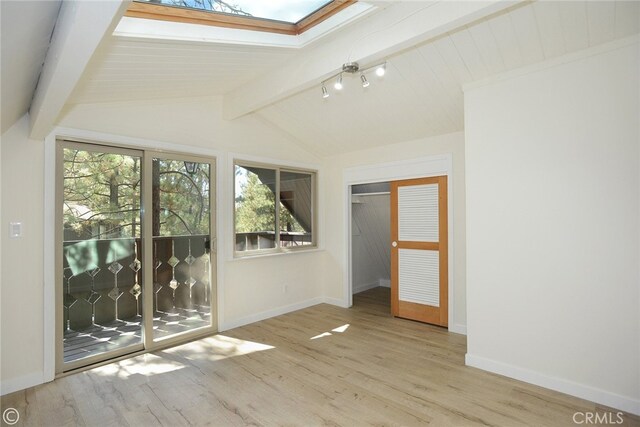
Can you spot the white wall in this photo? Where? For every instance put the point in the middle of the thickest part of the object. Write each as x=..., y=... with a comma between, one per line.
x=552, y=164
x=21, y=305
x=335, y=199
x=187, y=121
x=253, y=288
x=371, y=234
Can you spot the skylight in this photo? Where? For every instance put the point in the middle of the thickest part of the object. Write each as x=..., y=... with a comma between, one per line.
x=277, y=16
x=291, y=11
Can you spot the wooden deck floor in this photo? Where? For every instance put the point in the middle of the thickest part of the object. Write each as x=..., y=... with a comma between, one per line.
x=320, y=366
x=122, y=333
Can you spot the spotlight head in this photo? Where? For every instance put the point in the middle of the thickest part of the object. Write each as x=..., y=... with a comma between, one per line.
x=325, y=92
x=338, y=85
x=381, y=70
x=363, y=79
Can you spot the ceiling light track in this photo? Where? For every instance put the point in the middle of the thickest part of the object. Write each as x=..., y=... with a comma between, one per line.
x=353, y=68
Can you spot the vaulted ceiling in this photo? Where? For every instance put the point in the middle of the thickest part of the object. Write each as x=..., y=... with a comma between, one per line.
x=432, y=48
x=421, y=94
x=26, y=28
x=129, y=69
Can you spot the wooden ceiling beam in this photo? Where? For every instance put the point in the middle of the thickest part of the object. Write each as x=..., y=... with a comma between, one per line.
x=81, y=28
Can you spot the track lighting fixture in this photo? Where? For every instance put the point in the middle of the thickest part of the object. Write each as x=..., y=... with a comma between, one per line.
x=352, y=68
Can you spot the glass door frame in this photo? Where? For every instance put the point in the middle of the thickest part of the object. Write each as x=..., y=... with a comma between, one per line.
x=148, y=343
x=147, y=245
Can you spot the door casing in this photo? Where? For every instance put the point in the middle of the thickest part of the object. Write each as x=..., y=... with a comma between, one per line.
x=428, y=166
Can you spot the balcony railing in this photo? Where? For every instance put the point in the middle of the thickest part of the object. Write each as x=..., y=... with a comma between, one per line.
x=266, y=239
x=103, y=290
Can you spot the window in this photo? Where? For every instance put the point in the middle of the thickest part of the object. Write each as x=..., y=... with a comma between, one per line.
x=274, y=208
x=286, y=17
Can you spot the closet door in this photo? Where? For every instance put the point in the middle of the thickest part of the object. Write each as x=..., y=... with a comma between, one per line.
x=419, y=250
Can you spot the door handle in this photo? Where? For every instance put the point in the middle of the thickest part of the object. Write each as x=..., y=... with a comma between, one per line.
x=210, y=244
x=394, y=244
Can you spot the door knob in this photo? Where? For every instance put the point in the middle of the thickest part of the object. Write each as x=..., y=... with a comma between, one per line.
x=394, y=244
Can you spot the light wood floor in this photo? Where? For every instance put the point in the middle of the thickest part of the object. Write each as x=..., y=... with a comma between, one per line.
x=320, y=366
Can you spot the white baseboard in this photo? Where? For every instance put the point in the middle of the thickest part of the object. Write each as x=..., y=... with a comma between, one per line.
x=336, y=301
x=458, y=329
x=20, y=383
x=582, y=391
x=385, y=283
x=230, y=324
x=361, y=288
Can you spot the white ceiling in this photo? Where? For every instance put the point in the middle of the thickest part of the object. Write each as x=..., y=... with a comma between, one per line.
x=131, y=69
x=26, y=31
x=421, y=94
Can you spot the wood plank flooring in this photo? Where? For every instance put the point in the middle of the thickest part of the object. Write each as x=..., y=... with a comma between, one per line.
x=320, y=366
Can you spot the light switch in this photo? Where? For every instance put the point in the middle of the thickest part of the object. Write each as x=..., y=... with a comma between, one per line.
x=15, y=230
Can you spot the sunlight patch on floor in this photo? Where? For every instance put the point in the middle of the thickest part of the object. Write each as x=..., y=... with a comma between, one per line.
x=218, y=347
x=339, y=329
x=146, y=365
x=324, y=334
x=215, y=348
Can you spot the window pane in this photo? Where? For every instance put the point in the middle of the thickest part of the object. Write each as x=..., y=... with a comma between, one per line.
x=102, y=253
x=181, y=198
x=101, y=195
x=255, y=208
x=181, y=259
x=296, y=219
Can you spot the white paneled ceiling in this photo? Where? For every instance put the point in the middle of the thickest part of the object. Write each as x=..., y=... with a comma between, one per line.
x=421, y=94
x=26, y=30
x=133, y=69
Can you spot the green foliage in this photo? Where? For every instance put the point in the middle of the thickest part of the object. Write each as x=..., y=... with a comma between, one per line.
x=102, y=196
x=184, y=199
x=256, y=209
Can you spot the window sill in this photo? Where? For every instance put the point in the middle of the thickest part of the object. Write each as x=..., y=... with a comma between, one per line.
x=275, y=253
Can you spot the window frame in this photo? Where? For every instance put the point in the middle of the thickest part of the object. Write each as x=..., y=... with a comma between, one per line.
x=278, y=249
x=220, y=19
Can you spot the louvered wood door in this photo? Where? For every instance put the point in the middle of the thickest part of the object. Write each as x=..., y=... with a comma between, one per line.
x=419, y=250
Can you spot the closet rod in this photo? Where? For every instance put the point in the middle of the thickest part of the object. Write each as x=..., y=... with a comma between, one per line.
x=379, y=193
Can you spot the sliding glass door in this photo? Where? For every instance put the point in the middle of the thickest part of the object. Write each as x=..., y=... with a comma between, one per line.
x=135, y=261
x=182, y=220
